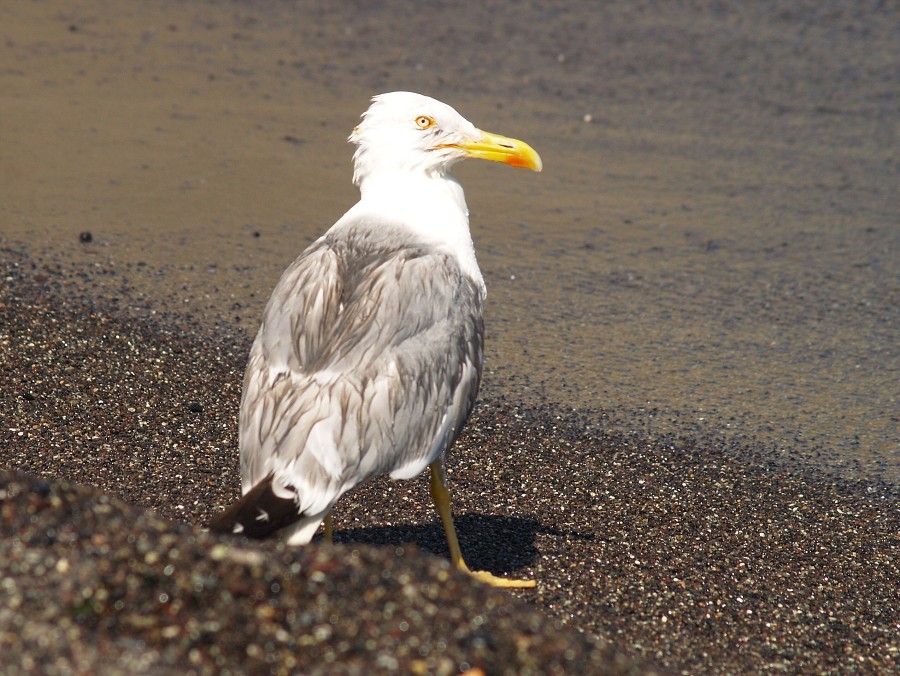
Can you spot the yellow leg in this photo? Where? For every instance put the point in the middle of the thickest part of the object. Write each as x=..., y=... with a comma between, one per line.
x=329, y=530
x=441, y=496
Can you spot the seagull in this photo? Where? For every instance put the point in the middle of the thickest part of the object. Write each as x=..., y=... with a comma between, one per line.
x=369, y=355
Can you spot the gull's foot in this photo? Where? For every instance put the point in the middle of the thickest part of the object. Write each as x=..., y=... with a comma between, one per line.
x=493, y=580
x=503, y=582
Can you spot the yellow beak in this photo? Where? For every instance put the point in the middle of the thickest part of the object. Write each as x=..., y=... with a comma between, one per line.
x=498, y=148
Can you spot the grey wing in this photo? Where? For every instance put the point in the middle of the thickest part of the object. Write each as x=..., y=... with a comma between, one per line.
x=366, y=362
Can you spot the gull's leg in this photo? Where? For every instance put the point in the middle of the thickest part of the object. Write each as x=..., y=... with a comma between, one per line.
x=329, y=529
x=441, y=496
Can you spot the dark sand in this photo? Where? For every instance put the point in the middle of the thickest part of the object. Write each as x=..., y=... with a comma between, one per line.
x=688, y=432
x=690, y=554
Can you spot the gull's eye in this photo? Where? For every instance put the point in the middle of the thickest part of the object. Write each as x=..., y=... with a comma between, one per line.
x=424, y=122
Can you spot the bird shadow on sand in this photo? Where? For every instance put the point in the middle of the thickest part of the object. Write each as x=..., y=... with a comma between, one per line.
x=500, y=544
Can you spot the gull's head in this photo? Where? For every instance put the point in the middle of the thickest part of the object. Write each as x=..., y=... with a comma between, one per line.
x=407, y=132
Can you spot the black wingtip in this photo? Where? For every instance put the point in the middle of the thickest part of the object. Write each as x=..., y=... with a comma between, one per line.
x=259, y=514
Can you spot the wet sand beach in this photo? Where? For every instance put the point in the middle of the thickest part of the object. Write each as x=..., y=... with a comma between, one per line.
x=688, y=427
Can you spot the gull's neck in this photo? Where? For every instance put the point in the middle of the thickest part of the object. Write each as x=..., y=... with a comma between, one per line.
x=432, y=206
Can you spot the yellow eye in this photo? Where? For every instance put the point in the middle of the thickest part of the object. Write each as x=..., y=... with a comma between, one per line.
x=424, y=122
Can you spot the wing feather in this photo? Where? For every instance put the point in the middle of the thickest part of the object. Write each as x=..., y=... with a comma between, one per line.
x=367, y=361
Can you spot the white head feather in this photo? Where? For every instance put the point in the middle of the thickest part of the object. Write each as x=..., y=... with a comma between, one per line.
x=407, y=132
